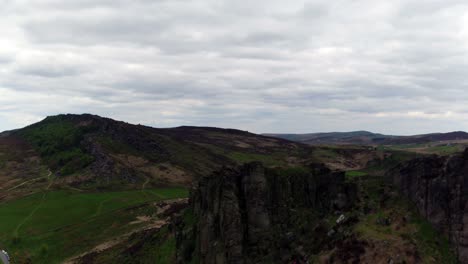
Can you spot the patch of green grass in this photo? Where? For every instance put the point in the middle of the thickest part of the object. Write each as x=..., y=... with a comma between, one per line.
x=429, y=148
x=354, y=174
x=51, y=226
x=154, y=246
x=369, y=229
x=406, y=146
x=166, y=251
x=431, y=242
x=432, y=246
x=325, y=154
x=445, y=150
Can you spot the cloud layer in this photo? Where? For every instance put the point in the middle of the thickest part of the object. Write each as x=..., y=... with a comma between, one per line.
x=398, y=67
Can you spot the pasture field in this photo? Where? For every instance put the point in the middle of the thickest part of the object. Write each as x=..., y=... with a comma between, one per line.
x=50, y=226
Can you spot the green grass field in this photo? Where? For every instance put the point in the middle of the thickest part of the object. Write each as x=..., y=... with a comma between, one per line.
x=49, y=227
x=439, y=149
x=354, y=174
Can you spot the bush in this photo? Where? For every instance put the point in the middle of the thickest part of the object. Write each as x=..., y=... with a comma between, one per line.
x=44, y=249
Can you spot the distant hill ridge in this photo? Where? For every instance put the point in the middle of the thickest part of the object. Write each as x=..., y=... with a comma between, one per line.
x=369, y=138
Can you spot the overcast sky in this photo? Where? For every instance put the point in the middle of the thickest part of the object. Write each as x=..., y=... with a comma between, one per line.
x=396, y=67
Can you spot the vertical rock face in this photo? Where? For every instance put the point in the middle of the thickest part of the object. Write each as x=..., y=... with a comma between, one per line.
x=249, y=215
x=439, y=188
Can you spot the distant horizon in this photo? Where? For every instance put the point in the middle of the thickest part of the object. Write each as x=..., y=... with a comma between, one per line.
x=260, y=133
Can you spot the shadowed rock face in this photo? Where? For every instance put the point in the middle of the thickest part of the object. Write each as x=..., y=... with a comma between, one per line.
x=439, y=188
x=250, y=214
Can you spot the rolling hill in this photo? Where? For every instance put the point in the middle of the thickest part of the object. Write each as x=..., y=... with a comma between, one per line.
x=369, y=138
x=73, y=182
x=89, y=189
x=332, y=138
x=92, y=152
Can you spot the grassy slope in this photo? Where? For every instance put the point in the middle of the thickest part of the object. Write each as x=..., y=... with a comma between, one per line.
x=152, y=247
x=48, y=227
x=19, y=163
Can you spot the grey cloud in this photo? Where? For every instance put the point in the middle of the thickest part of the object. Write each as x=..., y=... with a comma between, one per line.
x=48, y=72
x=4, y=59
x=264, y=66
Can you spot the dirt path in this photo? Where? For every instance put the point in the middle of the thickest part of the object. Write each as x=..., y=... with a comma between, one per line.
x=74, y=189
x=143, y=187
x=152, y=224
x=145, y=183
x=29, y=181
x=44, y=195
x=23, y=183
x=117, y=240
x=99, y=209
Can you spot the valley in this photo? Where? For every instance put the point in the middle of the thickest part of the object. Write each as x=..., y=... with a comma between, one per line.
x=88, y=189
x=233, y=132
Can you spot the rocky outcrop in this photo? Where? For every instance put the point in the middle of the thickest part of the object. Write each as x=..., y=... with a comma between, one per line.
x=103, y=164
x=439, y=188
x=258, y=215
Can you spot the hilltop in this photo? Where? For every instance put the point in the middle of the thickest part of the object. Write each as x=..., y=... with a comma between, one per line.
x=89, y=151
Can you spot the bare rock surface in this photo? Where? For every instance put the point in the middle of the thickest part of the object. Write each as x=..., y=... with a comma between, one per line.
x=259, y=215
x=439, y=188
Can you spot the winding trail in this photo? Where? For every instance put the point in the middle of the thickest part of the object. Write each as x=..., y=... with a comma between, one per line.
x=116, y=240
x=29, y=181
x=99, y=209
x=44, y=195
x=145, y=183
x=23, y=183
x=143, y=187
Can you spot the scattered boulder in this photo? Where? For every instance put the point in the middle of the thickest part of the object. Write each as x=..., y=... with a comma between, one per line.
x=340, y=219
